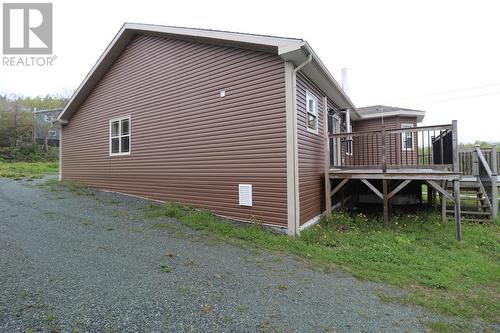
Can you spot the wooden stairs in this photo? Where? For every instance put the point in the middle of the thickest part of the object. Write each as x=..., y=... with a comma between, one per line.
x=476, y=206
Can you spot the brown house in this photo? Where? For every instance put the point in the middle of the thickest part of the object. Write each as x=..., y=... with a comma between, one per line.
x=250, y=127
x=225, y=121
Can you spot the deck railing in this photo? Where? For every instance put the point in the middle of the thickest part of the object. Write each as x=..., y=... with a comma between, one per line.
x=487, y=178
x=468, y=160
x=416, y=147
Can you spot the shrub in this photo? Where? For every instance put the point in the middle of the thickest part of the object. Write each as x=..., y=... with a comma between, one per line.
x=30, y=153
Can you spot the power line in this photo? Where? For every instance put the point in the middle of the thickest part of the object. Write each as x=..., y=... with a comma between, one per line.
x=451, y=91
x=457, y=98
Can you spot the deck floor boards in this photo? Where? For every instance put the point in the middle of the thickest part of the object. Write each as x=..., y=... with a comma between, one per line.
x=410, y=173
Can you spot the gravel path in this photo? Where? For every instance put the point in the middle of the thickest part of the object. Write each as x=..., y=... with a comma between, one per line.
x=88, y=261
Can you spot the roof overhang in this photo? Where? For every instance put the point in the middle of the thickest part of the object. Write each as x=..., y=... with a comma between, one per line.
x=290, y=49
x=319, y=74
x=418, y=114
x=379, y=111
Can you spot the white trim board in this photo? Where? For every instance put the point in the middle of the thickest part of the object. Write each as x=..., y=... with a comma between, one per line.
x=317, y=218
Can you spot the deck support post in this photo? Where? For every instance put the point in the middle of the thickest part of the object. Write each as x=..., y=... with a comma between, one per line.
x=456, y=183
x=326, y=157
x=494, y=185
x=435, y=200
x=458, y=217
x=443, y=203
x=430, y=195
x=386, y=202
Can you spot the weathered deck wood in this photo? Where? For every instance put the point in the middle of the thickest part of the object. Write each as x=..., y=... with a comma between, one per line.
x=398, y=188
x=494, y=182
x=373, y=188
x=456, y=182
x=394, y=174
x=441, y=190
x=386, y=202
x=338, y=187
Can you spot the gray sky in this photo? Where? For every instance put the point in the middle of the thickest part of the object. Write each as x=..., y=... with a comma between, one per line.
x=439, y=56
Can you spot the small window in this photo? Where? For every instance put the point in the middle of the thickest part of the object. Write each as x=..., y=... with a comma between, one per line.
x=119, y=136
x=348, y=149
x=407, y=138
x=311, y=112
x=52, y=132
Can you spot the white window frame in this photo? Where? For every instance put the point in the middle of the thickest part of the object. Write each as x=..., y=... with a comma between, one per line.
x=310, y=96
x=120, y=136
x=404, y=137
x=348, y=148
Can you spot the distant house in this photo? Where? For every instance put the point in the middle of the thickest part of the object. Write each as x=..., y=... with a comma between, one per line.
x=44, y=129
x=242, y=125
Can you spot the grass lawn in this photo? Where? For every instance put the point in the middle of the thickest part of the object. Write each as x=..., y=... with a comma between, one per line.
x=417, y=253
x=27, y=170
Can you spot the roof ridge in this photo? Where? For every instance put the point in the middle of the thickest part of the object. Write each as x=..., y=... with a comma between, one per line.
x=215, y=30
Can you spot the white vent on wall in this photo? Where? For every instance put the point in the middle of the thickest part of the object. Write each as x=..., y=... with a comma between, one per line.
x=222, y=93
x=245, y=194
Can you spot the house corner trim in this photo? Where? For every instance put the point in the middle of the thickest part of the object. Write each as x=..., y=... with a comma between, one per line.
x=292, y=169
x=60, y=153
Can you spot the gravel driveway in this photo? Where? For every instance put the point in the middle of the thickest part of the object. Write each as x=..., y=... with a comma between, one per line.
x=89, y=261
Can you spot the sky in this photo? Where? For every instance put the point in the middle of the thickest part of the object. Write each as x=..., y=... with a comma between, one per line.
x=442, y=57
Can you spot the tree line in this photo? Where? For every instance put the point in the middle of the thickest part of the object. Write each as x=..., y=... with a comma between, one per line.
x=16, y=116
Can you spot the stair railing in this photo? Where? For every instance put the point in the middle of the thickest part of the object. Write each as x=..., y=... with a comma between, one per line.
x=487, y=179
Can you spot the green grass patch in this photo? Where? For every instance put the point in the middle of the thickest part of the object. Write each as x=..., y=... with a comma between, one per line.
x=417, y=253
x=165, y=268
x=27, y=170
x=76, y=188
x=445, y=327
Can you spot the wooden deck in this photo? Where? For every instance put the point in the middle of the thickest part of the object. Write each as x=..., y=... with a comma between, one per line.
x=386, y=161
x=394, y=174
x=395, y=158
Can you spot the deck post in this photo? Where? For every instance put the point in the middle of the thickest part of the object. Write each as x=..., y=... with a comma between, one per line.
x=475, y=173
x=454, y=127
x=384, y=161
x=430, y=195
x=494, y=185
x=458, y=227
x=386, y=202
x=435, y=201
x=326, y=156
x=475, y=161
x=456, y=183
x=443, y=203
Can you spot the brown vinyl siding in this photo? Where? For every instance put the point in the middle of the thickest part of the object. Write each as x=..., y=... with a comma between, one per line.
x=310, y=154
x=368, y=151
x=188, y=144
